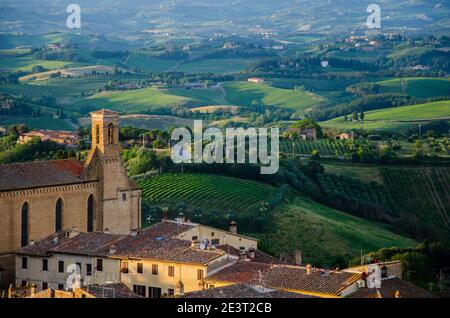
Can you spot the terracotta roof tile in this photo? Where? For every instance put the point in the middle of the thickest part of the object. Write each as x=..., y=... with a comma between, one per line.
x=286, y=277
x=243, y=291
x=117, y=290
x=388, y=289
x=147, y=244
x=35, y=174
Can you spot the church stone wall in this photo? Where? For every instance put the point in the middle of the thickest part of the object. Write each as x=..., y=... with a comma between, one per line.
x=41, y=219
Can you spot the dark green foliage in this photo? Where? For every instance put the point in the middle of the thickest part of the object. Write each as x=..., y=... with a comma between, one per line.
x=367, y=200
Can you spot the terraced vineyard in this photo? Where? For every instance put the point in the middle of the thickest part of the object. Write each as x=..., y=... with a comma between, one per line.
x=326, y=148
x=424, y=197
x=210, y=192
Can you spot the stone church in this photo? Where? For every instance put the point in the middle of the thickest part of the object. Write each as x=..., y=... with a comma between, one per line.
x=43, y=197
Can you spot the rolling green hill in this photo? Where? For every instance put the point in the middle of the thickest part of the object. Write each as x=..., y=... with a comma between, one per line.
x=396, y=117
x=134, y=101
x=243, y=94
x=37, y=122
x=232, y=93
x=324, y=234
x=417, y=87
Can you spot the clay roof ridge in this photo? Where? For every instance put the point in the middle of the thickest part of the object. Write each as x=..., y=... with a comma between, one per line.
x=38, y=161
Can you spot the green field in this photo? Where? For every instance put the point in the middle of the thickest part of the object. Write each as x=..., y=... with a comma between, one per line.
x=210, y=192
x=424, y=197
x=417, y=87
x=149, y=63
x=37, y=123
x=216, y=66
x=134, y=101
x=26, y=63
x=396, y=117
x=324, y=234
x=326, y=148
x=244, y=93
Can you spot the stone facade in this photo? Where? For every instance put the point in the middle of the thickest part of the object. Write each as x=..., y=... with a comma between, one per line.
x=120, y=199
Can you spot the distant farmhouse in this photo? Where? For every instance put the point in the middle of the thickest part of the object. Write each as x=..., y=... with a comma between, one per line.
x=346, y=136
x=67, y=138
x=257, y=80
x=301, y=133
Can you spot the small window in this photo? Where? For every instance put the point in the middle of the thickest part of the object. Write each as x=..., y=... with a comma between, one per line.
x=215, y=242
x=61, y=266
x=154, y=269
x=384, y=272
x=45, y=265
x=97, y=134
x=60, y=286
x=171, y=292
x=99, y=266
x=212, y=234
x=88, y=269
x=124, y=196
x=140, y=268
x=44, y=285
x=195, y=238
x=139, y=289
x=24, y=262
x=171, y=271
x=24, y=283
x=199, y=274
x=78, y=268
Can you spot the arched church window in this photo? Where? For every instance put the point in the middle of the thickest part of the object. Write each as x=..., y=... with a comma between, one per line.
x=97, y=134
x=90, y=213
x=111, y=133
x=58, y=215
x=24, y=224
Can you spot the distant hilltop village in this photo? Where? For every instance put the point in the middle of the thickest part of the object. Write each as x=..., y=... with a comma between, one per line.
x=73, y=231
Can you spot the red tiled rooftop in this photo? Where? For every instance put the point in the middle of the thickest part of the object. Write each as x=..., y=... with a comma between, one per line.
x=389, y=288
x=144, y=245
x=242, y=291
x=16, y=176
x=286, y=277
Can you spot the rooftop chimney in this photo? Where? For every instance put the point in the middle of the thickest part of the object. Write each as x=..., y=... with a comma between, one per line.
x=251, y=253
x=308, y=269
x=112, y=249
x=233, y=227
x=181, y=218
x=133, y=232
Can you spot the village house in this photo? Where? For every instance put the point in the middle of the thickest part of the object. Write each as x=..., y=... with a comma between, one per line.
x=168, y=258
x=66, y=138
x=40, y=198
x=302, y=134
x=346, y=136
x=257, y=80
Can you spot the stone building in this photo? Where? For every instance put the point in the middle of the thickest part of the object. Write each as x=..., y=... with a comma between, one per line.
x=41, y=198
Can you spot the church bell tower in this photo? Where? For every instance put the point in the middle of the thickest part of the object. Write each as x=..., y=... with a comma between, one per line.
x=118, y=199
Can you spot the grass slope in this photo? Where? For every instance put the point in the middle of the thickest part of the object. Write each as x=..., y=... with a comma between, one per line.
x=396, y=117
x=243, y=94
x=134, y=101
x=417, y=87
x=324, y=234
